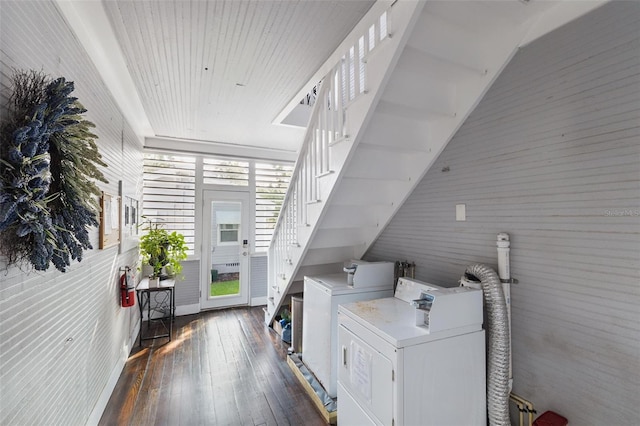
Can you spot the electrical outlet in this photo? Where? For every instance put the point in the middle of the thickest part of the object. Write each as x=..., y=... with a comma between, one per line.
x=461, y=212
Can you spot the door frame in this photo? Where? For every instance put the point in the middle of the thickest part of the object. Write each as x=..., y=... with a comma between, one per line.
x=243, y=297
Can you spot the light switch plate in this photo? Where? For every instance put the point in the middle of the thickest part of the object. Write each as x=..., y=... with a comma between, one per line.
x=461, y=212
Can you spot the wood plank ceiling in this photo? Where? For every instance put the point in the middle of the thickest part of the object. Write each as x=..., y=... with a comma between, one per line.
x=223, y=70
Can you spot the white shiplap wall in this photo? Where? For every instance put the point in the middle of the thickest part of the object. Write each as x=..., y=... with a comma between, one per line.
x=552, y=156
x=188, y=288
x=64, y=337
x=259, y=279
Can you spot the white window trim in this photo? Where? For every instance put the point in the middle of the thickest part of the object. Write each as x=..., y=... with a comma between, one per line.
x=228, y=243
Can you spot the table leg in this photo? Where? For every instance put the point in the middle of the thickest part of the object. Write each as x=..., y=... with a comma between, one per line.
x=172, y=308
x=148, y=310
x=140, y=308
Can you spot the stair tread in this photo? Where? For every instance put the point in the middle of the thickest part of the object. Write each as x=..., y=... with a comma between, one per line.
x=366, y=145
x=436, y=66
x=407, y=111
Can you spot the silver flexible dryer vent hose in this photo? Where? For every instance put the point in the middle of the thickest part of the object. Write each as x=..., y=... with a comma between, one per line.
x=498, y=348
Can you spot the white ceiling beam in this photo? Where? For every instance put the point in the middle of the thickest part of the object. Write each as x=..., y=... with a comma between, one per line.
x=218, y=148
x=89, y=21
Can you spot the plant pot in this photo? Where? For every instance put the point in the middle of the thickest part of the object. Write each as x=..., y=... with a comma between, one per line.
x=154, y=282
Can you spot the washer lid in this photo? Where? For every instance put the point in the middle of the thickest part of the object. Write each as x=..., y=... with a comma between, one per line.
x=394, y=321
x=335, y=284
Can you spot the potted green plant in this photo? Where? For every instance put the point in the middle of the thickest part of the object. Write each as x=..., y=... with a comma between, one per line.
x=160, y=249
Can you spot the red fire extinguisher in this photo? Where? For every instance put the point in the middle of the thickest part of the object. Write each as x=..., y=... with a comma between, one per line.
x=127, y=289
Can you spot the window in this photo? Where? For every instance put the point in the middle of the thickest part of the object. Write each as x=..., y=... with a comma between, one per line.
x=169, y=194
x=272, y=181
x=228, y=233
x=225, y=172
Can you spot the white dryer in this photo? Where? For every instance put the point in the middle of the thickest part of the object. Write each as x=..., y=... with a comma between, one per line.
x=406, y=363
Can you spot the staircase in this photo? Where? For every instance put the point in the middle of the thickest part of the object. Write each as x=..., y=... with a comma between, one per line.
x=383, y=114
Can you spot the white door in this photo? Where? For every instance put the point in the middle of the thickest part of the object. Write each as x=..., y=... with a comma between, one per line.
x=225, y=254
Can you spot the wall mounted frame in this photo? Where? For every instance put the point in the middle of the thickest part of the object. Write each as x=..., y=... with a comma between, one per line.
x=109, y=220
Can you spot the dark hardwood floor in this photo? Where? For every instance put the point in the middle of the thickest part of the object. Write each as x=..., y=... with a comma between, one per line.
x=222, y=367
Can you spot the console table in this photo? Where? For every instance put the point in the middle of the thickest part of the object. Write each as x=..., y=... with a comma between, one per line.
x=161, y=299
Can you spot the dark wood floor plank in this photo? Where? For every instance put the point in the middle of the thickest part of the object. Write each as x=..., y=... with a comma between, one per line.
x=128, y=387
x=221, y=368
x=147, y=402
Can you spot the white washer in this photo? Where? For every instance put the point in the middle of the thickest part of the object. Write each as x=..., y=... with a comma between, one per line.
x=322, y=295
x=394, y=372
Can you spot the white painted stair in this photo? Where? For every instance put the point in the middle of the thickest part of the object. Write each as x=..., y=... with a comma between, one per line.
x=363, y=157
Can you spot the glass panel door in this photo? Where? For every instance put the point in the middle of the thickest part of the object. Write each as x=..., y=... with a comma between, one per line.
x=226, y=249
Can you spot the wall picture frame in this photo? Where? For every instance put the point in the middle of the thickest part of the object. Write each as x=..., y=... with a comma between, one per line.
x=130, y=220
x=109, y=220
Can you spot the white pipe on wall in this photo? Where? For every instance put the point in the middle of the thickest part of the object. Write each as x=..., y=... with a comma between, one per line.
x=503, y=244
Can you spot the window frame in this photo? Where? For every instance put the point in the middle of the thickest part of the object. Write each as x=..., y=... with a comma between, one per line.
x=220, y=231
x=260, y=236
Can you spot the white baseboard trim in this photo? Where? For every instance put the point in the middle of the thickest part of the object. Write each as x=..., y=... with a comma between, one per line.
x=105, y=395
x=133, y=337
x=187, y=309
x=258, y=301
